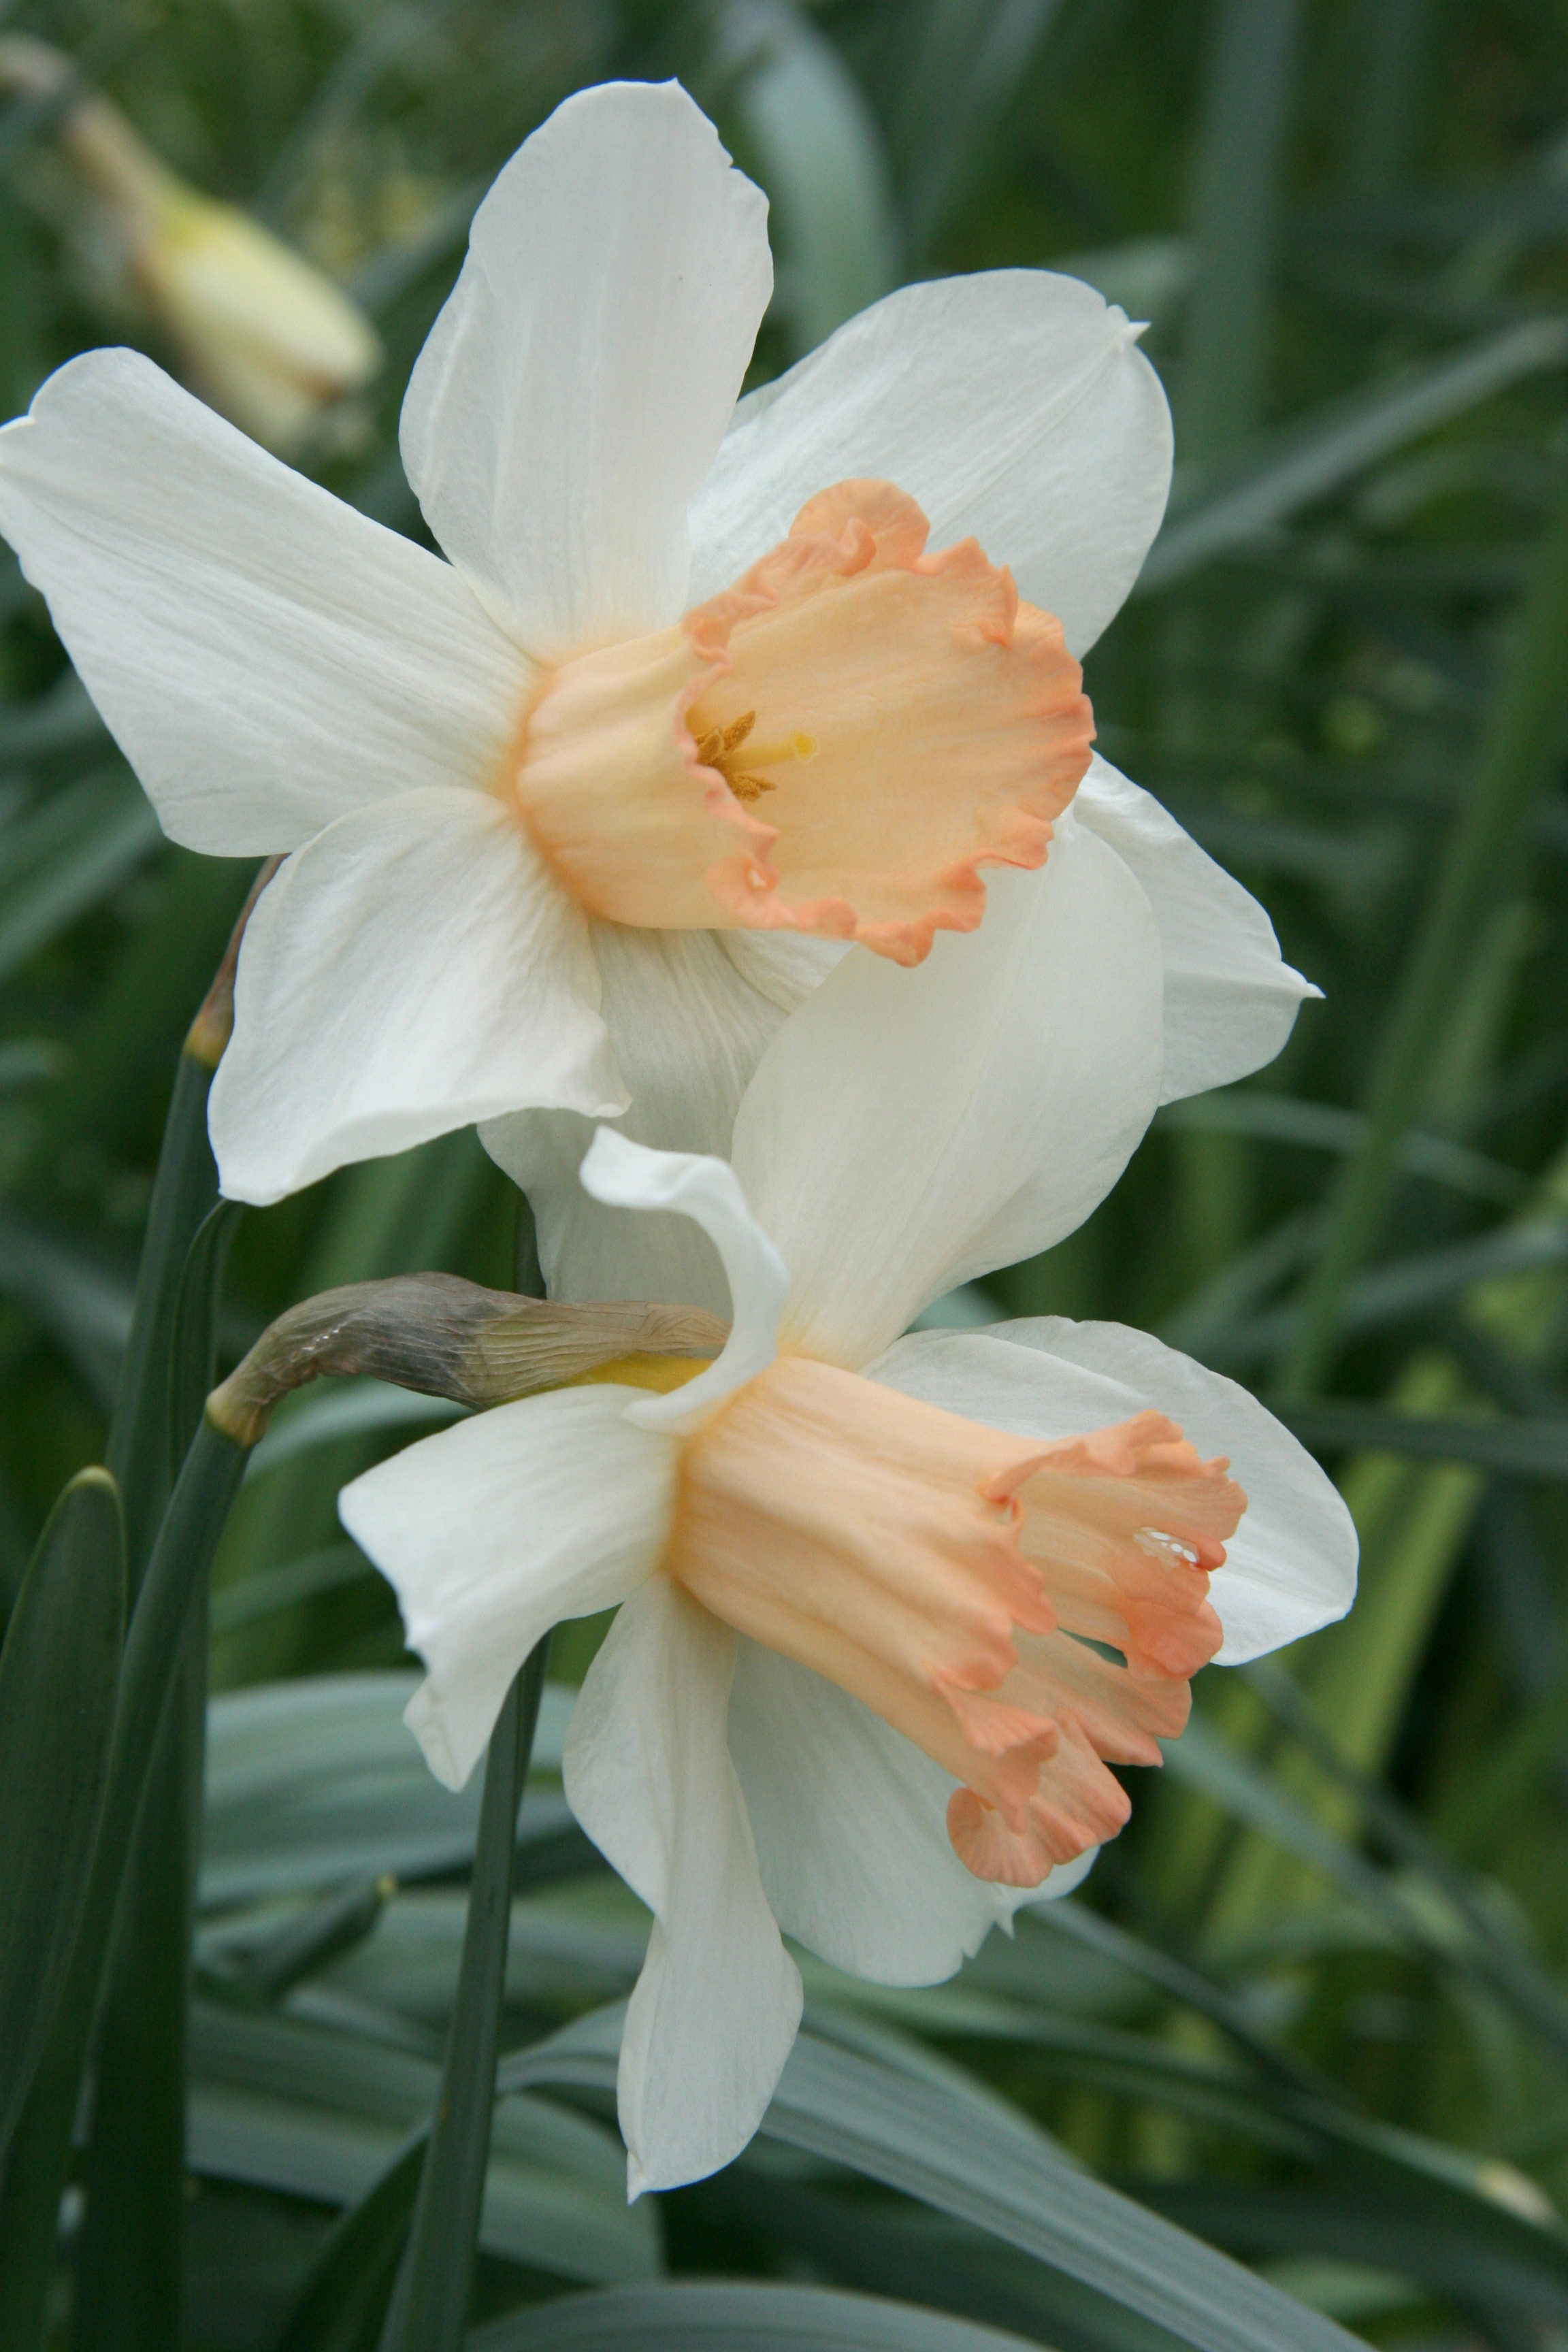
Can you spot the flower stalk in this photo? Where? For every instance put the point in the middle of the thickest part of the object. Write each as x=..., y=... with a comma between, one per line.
x=429, y=2305
x=129, y=2259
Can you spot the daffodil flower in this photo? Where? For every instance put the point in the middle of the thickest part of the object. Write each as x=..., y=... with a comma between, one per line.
x=701, y=695
x=889, y=1608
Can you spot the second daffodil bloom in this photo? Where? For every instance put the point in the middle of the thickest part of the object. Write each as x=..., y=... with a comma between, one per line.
x=702, y=694
x=889, y=1607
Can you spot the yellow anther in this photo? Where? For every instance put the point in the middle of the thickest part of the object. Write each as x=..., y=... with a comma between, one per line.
x=717, y=746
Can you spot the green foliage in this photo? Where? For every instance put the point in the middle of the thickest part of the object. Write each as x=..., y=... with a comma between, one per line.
x=1308, y=2016
x=58, y=1673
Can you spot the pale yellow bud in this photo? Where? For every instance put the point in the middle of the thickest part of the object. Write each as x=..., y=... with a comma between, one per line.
x=263, y=336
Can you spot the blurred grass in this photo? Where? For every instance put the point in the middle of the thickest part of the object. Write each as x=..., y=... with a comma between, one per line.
x=1349, y=225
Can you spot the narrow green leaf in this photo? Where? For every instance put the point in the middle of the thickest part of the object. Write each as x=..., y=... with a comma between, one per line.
x=316, y=1781
x=192, y=1344
x=1246, y=119
x=429, y=2303
x=918, y=2255
x=1408, y=2234
x=348, y=1409
x=730, y=2317
x=820, y=152
x=360, y=2255
x=326, y=1571
x=184, y=1191
x=955, y=66
x=1535, y=1448
x=303, y=1945
x=36, y=2171
x=1393, y=36
x=112, y=830
x=129, y=2259
x=59, y=1672
x=1524, y=737
x=934, y=2135
x=1404, y=1289
x=26, y=1060
x=1275, y=477
x=1325, y=1126
x=326, y=2112
x=63, y=719
x=81, y=1303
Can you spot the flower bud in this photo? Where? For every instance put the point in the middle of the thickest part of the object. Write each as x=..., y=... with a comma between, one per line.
x=263, y=336
x=445, y=1337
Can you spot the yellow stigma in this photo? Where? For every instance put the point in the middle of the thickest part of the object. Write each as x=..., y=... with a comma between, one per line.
x=717, y=747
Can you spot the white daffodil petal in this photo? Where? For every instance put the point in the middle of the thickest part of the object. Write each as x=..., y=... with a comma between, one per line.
x=1065, y=1879
x=412, y=969
x=491, y=1532
x=628, y=1175
x=1009, y=1078
x=649, y=1775
x=575, y=389
x=268, y=658
x=850, y=1823
x=1290, y=1565
x=687, y=1024
x=1231, y=1000
x=1015, y=406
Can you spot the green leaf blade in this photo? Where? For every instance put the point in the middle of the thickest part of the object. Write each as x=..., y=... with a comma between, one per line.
x=58, y=1674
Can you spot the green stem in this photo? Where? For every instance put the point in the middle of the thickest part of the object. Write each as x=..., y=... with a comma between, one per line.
x=184, y=1191
x=429, y=2303
x=59, y=1677
x=36, y=2167
x=129, y=2260
x=1523, y=736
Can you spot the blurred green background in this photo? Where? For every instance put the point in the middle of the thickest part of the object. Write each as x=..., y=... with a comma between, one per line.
x=1312, y=2005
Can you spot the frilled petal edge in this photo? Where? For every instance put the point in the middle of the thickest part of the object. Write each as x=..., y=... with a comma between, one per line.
x=1014, y=404
x=1290, y=1565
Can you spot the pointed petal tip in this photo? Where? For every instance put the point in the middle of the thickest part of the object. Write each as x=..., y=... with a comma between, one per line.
x=425, y=1721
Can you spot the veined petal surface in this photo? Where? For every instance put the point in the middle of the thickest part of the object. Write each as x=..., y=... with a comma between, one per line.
x=690, y=1014
x=649, y=1775
x=576, y=387
x=1290, y=1565
x=628, y=1175
x=1015, y=406
x=907, y=1131
x=413, y=968
x=850, y=1821
x=267, y=659
x=1231, y=999
x=491, y=1532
